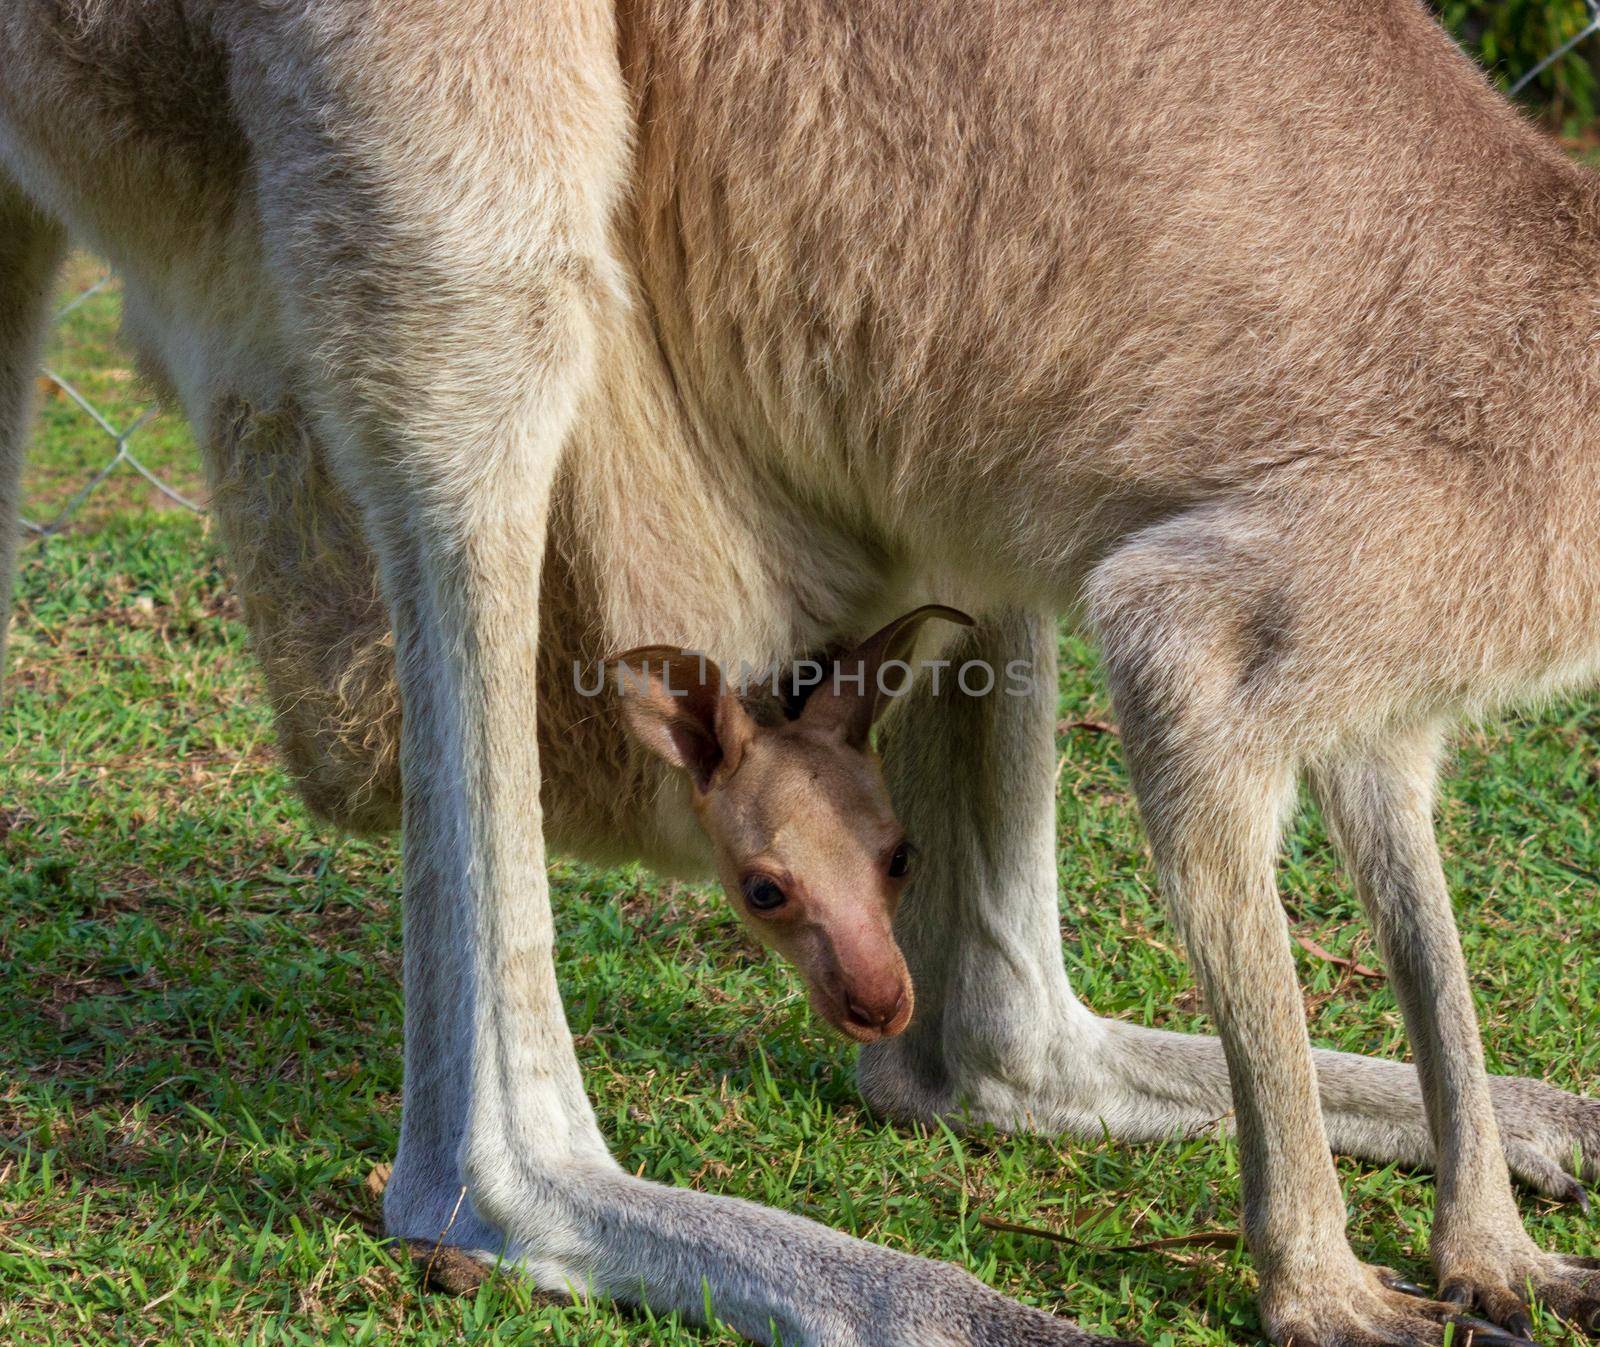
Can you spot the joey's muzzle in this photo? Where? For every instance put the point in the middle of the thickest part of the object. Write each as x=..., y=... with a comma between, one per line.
x=863, y=989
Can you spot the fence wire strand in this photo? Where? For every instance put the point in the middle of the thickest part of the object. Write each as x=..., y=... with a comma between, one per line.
x=1589, y=30
x=120, y=451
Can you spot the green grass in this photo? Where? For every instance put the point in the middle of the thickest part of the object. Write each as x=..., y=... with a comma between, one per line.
x=200, y=1031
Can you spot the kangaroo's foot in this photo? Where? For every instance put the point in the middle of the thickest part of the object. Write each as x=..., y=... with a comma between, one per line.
x=770, y=1275
x=1498, y=1276
x=1073, y=1073
x=1371, y=1308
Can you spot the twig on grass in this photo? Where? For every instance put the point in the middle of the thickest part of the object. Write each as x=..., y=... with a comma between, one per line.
x=1199, y=1239
x=1350, y=966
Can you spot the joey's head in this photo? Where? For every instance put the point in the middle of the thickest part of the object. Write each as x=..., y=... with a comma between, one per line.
x=797, y=813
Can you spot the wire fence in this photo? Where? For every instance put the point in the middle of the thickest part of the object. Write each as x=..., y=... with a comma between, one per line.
x=1565, y=49
x=120, y=451
x=120, y=439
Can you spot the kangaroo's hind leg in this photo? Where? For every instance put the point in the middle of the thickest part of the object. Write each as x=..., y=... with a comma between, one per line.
x=1237, y=653
x=1379, y=804
x=31, y=247
x=999, y=1036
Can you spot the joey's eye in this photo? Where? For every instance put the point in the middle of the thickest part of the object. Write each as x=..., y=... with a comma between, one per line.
x=763, y=894
x=900, y=861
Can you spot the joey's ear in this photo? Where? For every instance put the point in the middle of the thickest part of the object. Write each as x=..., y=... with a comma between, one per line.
x=674, y=703
x=849, y=699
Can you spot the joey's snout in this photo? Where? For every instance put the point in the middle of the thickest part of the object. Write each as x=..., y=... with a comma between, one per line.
x=881, y=1013
x=865, y=993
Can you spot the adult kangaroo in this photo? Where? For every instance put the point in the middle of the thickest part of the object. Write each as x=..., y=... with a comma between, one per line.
x=1260, y=335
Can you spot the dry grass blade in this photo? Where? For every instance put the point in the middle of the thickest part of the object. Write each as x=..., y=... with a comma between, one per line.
x=1199, y=1239
x=1093, y=726
x=377, y=1180
x=1350, y=966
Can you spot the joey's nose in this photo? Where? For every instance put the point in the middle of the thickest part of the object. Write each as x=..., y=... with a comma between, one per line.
x=878, y=1011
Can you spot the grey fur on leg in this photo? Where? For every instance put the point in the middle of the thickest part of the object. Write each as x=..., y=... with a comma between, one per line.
x=1372, y=1108
x=997, y=1028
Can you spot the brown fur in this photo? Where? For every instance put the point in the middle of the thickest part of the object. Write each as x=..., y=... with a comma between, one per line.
x=1262, y=337
x=316, y=617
